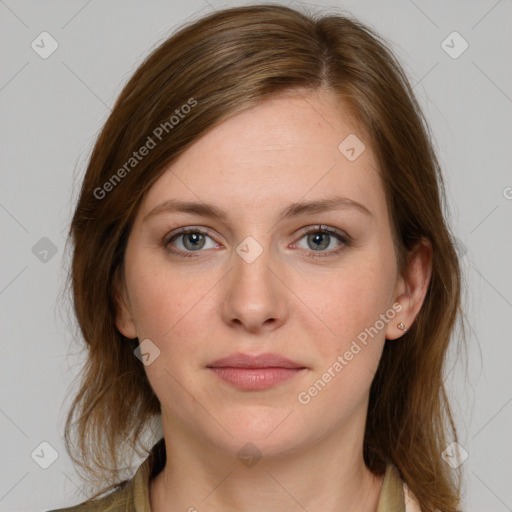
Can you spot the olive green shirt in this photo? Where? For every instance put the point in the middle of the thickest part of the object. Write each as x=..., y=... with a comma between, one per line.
x=133, y=496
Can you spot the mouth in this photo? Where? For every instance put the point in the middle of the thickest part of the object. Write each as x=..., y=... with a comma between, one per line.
x=248, y=372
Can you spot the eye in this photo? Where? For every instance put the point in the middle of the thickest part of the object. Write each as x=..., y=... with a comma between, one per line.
x=189, y=240
x=318, y=239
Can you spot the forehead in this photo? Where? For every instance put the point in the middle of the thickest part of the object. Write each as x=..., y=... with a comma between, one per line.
x=294, y=145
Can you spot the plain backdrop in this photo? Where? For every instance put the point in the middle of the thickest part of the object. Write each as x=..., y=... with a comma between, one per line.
x=51, y=111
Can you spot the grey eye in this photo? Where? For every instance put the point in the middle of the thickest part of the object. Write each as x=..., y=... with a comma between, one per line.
x=318, y=241
x=193, y=241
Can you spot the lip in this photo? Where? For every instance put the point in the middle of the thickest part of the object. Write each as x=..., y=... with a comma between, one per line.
x=258, y=372
x=240, y=360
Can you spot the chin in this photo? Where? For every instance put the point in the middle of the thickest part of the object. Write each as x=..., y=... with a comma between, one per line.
x=260, y=430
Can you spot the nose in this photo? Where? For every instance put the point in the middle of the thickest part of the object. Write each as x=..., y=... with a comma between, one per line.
x=256, y=299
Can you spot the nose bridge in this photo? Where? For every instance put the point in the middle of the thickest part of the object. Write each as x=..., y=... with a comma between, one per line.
x=254, y=294
x=251, y=275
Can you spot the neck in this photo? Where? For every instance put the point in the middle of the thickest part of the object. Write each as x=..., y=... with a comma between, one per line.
x=329, y=474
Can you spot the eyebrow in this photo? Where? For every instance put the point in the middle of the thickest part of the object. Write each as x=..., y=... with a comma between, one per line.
x=292, y=210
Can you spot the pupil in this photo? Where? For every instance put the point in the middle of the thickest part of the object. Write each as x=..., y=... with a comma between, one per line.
x=194, y=239
x=317, y=240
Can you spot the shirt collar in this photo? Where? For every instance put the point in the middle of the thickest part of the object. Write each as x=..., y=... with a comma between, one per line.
x=391, y=497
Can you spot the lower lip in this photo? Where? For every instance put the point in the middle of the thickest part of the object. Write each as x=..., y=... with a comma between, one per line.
x=255, y=378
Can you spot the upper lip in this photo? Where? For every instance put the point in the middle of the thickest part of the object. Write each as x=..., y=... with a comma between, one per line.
x=240, y=360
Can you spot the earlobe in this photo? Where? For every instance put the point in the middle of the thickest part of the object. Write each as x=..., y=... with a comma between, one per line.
x=401, y=326
x=412, y=288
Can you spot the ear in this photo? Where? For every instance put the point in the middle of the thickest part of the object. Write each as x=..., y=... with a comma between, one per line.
x=124, y=318
x=411, y=287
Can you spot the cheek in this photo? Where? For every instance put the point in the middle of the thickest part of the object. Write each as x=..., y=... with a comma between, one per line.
x=352, y=305
x=349, y=351
x=175, y=313
x=160, y=297
x=349, y=303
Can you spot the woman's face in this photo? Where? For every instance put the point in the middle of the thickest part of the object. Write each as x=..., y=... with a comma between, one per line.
x=252, y=282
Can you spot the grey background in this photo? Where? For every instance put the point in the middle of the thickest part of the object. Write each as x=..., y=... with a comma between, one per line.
x=51, y=111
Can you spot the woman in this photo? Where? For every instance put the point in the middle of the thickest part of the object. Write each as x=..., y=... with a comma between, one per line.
x=260, y=257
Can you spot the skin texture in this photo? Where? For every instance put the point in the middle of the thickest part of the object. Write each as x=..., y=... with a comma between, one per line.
x=198, y=309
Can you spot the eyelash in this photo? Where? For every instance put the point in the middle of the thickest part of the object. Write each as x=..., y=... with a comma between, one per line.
x=344, y=238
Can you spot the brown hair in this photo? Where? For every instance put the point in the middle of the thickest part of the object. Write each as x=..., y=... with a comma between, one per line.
x=220, y=65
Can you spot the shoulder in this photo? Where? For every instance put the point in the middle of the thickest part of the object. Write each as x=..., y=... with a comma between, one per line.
x=129, y=495
x=117, y=501
x=411, y=502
